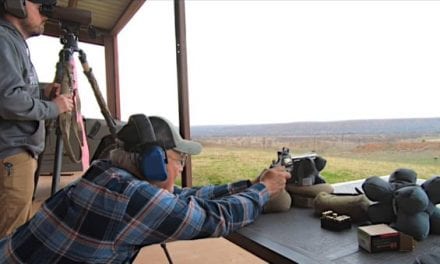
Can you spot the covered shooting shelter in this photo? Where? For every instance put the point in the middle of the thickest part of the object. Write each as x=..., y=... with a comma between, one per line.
x=108, y=18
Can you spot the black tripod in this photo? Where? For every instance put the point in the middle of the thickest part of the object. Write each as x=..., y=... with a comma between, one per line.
x=66, y=76
x=67, y=125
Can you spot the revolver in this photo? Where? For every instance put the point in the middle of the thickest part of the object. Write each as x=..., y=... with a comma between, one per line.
x=304, y=169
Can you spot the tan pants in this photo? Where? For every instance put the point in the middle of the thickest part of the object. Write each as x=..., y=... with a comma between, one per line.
x=16, y=189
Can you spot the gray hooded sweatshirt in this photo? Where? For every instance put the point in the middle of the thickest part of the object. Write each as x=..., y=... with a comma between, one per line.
x=22, y=111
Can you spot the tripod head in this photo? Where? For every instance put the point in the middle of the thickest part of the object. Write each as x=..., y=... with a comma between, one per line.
x=70, y=20
x=69, y=38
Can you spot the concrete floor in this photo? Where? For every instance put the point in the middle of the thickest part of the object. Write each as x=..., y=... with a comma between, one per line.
x=211, y=250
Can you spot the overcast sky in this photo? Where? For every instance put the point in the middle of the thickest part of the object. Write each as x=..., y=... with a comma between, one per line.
x=254, y=62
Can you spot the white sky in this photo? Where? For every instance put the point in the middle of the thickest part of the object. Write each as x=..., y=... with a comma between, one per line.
x=254, y=62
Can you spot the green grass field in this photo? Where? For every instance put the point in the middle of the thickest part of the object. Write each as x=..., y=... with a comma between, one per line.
x=216, y=165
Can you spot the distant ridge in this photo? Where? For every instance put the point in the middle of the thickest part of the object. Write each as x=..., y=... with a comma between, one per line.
x=387, y=127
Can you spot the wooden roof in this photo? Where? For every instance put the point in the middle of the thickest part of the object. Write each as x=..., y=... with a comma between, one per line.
x=108, y=17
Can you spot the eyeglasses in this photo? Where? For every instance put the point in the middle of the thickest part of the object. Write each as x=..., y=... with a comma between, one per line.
x=182, y=160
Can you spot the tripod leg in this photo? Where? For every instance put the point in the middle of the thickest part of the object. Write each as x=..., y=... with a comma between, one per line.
x=58, y=161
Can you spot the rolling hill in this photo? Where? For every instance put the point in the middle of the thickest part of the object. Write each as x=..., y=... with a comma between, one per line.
x=376, y=127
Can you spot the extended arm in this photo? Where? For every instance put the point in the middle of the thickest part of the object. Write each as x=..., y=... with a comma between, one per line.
x=213, y=191
x=168, y=217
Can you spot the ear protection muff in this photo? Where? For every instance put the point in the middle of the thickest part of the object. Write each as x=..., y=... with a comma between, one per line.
x=152, y=164
x=16, y=8
x=138, y=136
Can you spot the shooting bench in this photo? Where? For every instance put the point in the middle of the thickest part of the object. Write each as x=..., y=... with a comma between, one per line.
x=296, y=236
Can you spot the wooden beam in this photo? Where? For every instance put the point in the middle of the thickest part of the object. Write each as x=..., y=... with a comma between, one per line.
x=112, y=76
x=128, y=13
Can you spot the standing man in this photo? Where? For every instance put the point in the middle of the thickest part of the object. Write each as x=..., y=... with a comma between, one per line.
x=22, y=109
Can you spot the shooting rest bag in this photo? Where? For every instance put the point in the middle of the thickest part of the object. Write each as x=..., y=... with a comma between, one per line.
x=303, y=196
x=353, y=205
x=280, y=203
x=306, y=170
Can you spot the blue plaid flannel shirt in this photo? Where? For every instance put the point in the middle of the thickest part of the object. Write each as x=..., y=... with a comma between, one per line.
x=108, y=215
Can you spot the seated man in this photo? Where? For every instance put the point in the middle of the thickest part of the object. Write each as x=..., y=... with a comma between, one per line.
x=129, y=201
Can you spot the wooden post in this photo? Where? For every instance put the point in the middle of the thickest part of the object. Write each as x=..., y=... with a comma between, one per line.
x=182, y=82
